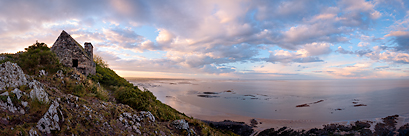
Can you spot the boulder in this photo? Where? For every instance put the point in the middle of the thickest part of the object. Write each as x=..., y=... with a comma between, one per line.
x=11, y=75
x=181, y=124
x=38, y=91
x=18, y=93
x=148, y=115
x=51, y=119
x=253, y=122
x=42, y=73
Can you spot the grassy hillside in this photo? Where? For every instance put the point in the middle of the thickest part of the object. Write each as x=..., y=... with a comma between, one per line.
x=106, y=86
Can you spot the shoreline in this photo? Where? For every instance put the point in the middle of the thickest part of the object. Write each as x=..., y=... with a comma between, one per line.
x=297, y=125
x=254, y=126
x=216, y=115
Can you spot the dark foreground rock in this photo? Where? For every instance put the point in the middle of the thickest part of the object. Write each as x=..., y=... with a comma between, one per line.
x=239, y=128
x=385, y=128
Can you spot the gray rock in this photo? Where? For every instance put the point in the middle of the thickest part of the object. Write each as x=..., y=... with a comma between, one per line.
x=135, y=128
x=148, y=115
x=8, y=105
x=32, y=132
x=42, y=73
x=5, y=94
x=181, y=124
x=50, y=120
x=38, y=91
x=24, y=103
x=59, y=74
x=22, y=111
x=17, y=92
x=121, y=119
x=127, y=114
x=11, y=75
x=9, y=100
x=136, y=118
x=11, y=106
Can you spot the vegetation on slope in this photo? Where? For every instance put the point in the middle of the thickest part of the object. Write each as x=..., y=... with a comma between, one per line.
x=39, y=57
x=126, y=93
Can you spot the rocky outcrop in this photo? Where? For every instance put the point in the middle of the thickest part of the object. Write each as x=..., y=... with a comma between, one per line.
x=12, y=107
x=183, y=125
x=51, y=119
x=148, y=115
x=38, y=91
x=42, y=73
x=12, y=76
x=239, y=128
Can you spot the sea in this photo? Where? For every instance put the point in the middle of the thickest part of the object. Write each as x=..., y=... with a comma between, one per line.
x=299, y=104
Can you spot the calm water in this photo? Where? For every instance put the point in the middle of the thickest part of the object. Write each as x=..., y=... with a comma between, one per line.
x=277, y=99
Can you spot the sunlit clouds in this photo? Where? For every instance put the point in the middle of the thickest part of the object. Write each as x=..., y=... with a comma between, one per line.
x=285, y=39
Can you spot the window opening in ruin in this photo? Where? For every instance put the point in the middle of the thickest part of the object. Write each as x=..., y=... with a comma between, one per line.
x=74, y=63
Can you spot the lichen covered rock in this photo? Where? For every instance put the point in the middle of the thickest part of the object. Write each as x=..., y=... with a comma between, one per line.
x=38, y=91
x=51, y=119
x=181, y=124
x=12, y=76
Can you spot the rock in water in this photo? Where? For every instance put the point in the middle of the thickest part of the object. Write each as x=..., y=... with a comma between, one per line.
x=253, y=122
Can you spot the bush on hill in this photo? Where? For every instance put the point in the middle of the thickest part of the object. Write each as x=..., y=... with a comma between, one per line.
x=131, y=95
x=38, y=57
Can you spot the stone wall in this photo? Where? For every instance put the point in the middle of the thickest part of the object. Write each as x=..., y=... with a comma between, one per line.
x=68, y=50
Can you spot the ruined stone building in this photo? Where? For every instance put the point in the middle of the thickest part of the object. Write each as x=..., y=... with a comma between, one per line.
x=72, y=54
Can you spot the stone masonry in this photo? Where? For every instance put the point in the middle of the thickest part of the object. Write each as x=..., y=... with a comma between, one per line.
x=72, y=54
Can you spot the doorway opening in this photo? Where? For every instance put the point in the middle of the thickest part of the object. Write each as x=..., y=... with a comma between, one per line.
x=74, y=63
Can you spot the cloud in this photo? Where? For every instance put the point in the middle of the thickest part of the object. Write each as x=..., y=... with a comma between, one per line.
x=402, y=42
x=212, y=69
x=304, y=55
x=397, y=33
x=381, y=67
x=165, y=38
x=358, y=70
x=363, y=44
x=390, y=56
x=204, y=36
x=315, y=49
x=379, y=54
x=359, y=52
x=343, y=51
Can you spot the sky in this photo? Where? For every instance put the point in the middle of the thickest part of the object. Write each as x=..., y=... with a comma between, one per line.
x=224, y=39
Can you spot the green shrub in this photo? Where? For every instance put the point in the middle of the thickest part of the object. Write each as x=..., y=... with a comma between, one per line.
x=37, y=57
x=146, y=101
x=108, y=77
x=79, y=90
x=7, y=57
x=127, y=93
x=3, y=98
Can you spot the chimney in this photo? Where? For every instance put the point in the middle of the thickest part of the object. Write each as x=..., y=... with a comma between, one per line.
x=89, y=50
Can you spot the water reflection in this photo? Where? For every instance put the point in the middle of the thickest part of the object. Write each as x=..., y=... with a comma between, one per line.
x=330, y=100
